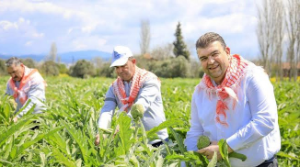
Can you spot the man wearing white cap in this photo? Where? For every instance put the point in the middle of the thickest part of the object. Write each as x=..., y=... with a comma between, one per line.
x=133, y=86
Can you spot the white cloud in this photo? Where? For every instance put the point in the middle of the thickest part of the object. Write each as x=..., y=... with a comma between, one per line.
x=19, y=28
x=40, y=7
x=6, y=26
x=76, y=25
x=28, y=43
x=37, y=35
x=89, y=28
x=88, y=43
x=234, y=23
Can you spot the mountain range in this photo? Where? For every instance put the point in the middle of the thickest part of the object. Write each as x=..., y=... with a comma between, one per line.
x=67, y=58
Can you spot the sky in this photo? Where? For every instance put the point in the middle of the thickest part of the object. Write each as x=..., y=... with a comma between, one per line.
x=31, y=26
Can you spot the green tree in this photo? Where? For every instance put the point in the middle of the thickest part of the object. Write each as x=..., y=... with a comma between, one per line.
x=196, y=70
x=49, y=68
x=145, y=35
x=29, y=63
x=162, y=68
x=180, y=67
x=107, y=71
x=62, y=68
x=180, y=48
x=2, y=68
x=82, y=69
x=170, y=68
x=53, y=52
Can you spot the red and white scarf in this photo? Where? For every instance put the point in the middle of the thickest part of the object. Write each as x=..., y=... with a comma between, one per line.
x=227, y=90
x=139, y=77
x=31, y=77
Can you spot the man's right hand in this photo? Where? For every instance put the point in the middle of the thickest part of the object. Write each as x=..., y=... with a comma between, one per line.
x=14, y=119
x=97, y=140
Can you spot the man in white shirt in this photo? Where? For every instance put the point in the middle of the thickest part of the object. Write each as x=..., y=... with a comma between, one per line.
x=133, y=86
x=234, y=101
x=25, y=83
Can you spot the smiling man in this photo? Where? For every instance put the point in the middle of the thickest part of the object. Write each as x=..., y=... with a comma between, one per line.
x=25, y=84
x=233, y=101
x=133, y=86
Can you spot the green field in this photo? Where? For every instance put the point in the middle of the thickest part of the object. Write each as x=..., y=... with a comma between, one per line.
x=67, y=129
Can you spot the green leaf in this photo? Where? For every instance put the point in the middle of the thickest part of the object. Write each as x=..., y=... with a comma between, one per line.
x=224, y=151
x=213, y=161
x=56, y=139
x=62, y=159
x=24, y=106
x=43, y=159
x=14, y=128
x=13, y=152
x=282, y=154
x=179, y=140
x=159, y=162
x=237, y=155
x=79, y=138
x=133, y=160
x=38, y=138
x=165, y=124
x=8, y=148
x=6, y=162
x=125, y=132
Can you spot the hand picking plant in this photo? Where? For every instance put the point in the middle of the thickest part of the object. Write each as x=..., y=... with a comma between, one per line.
x=204, y=141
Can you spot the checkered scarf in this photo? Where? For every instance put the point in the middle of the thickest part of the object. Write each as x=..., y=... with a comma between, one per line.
x=226, y=91
x=139, y=77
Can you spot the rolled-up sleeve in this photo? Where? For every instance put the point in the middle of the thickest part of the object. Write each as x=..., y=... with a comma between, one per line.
x=107, y=110
x=36, y=95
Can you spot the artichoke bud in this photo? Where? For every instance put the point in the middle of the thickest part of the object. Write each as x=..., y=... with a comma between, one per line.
x=137, y=111
x=203, y=141
x=12, y=104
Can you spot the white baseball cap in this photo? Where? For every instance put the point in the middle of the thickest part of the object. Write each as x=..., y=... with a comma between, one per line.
x=120, y=56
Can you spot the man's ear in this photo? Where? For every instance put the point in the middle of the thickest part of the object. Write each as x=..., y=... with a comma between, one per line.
x=133, y=60
x=227, y=50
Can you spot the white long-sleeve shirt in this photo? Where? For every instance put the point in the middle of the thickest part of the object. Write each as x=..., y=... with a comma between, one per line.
x=253, y=128
x=36, y=94
x=149, y=96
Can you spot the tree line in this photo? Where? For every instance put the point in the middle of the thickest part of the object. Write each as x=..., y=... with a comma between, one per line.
x=167, y=68
x=278, y=33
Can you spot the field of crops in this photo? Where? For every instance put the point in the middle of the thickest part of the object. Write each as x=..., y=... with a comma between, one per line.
x=66, y=131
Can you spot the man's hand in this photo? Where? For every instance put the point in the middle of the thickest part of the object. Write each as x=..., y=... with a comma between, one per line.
x=15, y=119
x=97, y=140
x=229, y=149
x=209, y=150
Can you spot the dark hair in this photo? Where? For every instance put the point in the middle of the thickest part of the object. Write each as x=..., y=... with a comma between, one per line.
x=13, y=61
x=209, y=38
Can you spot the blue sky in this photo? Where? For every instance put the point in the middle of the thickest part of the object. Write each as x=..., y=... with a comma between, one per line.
x=30, y=27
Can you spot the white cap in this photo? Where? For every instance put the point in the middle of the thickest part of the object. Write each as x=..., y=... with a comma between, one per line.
x=120, y=56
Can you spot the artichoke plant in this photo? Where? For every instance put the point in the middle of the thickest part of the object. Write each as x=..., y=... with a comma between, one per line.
x=137, y=111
